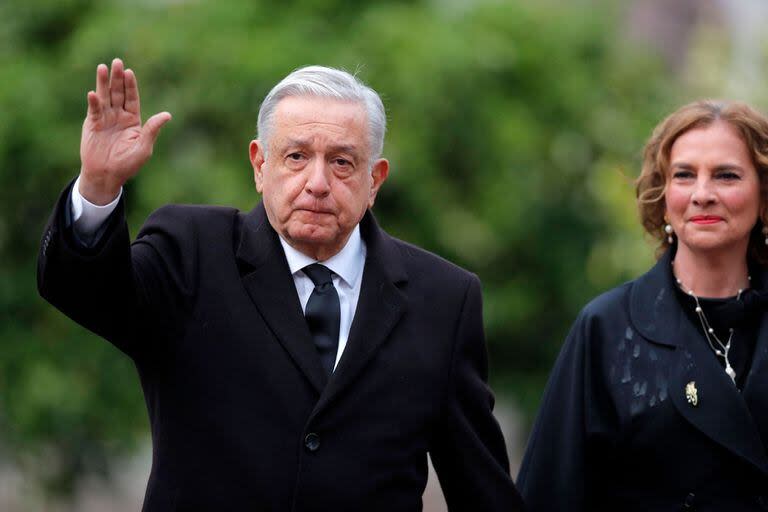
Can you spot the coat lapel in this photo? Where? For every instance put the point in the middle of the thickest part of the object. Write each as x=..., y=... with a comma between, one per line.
x=379, y=307
x=720, y=411
x=755, y=390
x=268, y=280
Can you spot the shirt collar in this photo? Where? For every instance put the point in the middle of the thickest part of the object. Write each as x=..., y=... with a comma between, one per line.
x=348, y=263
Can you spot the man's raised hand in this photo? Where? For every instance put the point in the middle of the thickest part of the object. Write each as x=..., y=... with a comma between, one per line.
x=114, y=145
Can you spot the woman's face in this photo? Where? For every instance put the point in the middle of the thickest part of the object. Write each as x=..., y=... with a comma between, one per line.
x=713, y=190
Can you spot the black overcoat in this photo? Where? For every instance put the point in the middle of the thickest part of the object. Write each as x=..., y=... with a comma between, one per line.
x=619, y=426
x=241, y=413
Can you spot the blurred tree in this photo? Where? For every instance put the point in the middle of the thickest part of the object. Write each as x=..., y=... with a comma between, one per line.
x=515, y=129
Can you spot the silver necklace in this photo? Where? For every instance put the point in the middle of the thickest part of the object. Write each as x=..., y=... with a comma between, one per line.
x=718, y=347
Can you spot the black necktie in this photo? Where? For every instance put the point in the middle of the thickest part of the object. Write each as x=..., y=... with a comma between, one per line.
x=323, y=314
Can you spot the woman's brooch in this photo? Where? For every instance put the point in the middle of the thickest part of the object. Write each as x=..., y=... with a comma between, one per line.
x=691, y=394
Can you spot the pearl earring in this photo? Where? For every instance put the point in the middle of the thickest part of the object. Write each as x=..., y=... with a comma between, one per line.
x=765, y=233
x=669, y=231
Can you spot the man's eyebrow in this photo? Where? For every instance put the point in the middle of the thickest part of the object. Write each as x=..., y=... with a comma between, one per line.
x=345, y=148
x=333, y=148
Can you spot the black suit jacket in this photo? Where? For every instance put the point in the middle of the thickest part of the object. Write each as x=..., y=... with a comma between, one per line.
x=241, y=412
x=617, y=430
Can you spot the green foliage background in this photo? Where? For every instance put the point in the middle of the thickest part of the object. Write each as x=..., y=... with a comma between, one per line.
x=514, y=133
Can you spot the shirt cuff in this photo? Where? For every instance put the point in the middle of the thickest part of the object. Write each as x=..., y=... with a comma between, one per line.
x=87, y=217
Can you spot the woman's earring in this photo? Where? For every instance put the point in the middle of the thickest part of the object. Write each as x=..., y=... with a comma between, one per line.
x=669, y=231
x=765, y=233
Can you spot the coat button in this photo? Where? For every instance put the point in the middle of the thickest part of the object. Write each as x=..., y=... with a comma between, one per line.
x=312, y=442
x=688, y=504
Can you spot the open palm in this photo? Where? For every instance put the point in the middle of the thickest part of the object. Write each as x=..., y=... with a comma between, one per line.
x=114, y=144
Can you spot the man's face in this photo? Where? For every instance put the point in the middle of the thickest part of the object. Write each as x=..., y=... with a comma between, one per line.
x=316, y=176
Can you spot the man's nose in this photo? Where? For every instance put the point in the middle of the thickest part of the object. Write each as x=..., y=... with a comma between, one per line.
x=317, y=180
x=703, y=192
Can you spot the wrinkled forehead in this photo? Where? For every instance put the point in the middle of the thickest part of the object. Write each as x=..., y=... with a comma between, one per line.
x=309, y=115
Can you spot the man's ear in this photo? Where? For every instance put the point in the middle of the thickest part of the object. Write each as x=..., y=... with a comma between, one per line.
x=257, y=154
x=379, y=173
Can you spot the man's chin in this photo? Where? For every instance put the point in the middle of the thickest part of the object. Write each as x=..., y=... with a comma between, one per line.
x=309, y=234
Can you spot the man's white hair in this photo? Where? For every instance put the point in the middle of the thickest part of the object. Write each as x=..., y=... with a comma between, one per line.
x=325, y=82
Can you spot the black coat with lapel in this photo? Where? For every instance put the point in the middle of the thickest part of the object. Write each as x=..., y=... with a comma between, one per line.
x=617, y=430
x=242, y=415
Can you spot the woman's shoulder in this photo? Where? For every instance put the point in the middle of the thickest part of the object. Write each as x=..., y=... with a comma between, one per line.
x=603, y=320
x=609, y=303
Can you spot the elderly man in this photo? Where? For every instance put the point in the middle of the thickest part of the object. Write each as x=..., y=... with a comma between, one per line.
x=295, y=357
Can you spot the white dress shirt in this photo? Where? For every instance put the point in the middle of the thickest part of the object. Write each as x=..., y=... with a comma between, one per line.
x=88, y=217
x=346, y=265
x=347, y=272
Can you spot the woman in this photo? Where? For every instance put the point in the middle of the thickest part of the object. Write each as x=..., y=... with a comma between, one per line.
x=659, y=398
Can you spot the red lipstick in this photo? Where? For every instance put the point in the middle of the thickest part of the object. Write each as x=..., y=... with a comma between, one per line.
x=706, y=219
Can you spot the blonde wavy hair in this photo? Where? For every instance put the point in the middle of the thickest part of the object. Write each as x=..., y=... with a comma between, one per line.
x=651, y=185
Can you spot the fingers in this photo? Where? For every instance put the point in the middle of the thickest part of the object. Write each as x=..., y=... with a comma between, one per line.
x=132, y=103
x=94, y=106
x=151, y=129
x=102, y=84
x=117, y=84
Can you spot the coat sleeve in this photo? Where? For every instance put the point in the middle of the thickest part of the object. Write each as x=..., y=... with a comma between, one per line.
x=468, y=451
x=131, y=295
x=572, y=432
